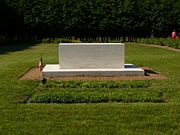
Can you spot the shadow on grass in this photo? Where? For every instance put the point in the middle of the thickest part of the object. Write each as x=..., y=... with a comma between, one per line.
x=147, y=72
x=15, y=47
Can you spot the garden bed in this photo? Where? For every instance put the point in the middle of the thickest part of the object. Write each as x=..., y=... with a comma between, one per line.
x=83, y=91
x=91, y=97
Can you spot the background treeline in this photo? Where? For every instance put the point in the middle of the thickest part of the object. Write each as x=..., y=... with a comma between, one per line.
x=92, y=18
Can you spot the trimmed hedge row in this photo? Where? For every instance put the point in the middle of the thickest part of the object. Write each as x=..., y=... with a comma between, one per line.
x=97, y=84
x=59, y=40
x=91, y=97
x=161, y=41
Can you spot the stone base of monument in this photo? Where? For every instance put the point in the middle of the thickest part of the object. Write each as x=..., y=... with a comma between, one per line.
x=53, y=70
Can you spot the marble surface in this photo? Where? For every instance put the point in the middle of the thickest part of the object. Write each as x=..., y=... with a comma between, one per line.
x=53, y=70
x=91, y=55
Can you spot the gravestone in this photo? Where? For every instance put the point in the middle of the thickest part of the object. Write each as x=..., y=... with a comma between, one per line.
x=91, y=55
x=91, y=59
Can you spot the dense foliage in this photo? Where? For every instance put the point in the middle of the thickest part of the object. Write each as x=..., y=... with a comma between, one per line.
x=92, y=97
x=98, y=84
x=92, y=18
x=90, y=92
x=59, y=40
x=161, y=41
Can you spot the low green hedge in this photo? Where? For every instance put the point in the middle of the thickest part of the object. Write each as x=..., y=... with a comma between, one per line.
x=98, y=84
x=161, y=41
x=59, y=40
x=91, y=97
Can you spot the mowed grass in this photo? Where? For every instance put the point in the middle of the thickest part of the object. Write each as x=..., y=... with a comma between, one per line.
x=87, y=118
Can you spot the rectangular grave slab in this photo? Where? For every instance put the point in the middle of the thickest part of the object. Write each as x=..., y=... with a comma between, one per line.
x=52, y=70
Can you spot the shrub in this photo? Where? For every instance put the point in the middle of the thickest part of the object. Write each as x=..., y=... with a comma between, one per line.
x=59, y=40
x=161, y=41
x=46, y=40
x=98, y=84
x=90, y=97
x=116, y=41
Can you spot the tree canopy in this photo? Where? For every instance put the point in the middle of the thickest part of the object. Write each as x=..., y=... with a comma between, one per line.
x=56, y=18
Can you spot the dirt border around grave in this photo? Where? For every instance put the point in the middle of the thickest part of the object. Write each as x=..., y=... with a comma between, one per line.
x=34, y=74
x=24, y=74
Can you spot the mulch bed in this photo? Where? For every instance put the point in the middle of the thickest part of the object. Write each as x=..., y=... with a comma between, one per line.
x=34, y=74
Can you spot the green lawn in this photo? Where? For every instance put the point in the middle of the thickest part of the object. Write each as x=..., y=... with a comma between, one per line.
x=87, y=118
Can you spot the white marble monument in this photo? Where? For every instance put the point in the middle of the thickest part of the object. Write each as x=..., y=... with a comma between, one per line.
x=91, y=59
x=91, y=55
